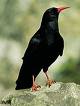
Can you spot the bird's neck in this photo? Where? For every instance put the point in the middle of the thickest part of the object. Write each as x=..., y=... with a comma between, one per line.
x=50, y=27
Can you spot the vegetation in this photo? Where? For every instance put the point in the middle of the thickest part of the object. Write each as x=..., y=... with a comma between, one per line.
x=69, y=71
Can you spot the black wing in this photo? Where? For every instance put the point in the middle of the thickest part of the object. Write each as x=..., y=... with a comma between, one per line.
x=28, y=69
x=33, y=46
x=62, y=46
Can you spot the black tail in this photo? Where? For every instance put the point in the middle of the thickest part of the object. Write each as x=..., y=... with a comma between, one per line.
x=25, y=75
x=25, y=78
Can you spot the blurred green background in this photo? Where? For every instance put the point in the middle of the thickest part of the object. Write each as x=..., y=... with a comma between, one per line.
x=19, y=20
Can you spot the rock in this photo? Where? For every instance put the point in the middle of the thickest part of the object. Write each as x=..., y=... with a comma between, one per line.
x=59, y=94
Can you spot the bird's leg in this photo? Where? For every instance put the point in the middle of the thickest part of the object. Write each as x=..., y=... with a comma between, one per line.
x=35, y=86
x=49, y=81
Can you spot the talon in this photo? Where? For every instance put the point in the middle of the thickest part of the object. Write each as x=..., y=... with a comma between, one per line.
x=50, y=82
x=35, y=87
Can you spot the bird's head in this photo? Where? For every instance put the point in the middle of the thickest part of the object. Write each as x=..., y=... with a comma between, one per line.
x=52, y=13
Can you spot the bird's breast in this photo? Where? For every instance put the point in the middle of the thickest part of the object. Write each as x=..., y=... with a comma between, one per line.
x=54, y=45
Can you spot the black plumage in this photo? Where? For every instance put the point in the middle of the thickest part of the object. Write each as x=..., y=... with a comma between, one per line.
x=43, y=49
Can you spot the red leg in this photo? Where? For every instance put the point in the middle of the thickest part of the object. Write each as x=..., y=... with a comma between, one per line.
x=35, y=87
x=49, y=81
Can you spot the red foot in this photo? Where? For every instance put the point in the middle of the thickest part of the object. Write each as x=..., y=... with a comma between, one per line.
x=50, y=82
x=35, y=87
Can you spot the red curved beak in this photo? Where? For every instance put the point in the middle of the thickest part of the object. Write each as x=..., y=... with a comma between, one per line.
x=61, y=8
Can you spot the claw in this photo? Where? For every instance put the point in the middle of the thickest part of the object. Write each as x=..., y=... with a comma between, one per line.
x=35, y=87
x=50, y=82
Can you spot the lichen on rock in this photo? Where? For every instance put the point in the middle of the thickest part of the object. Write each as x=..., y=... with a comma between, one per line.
x=59, y=94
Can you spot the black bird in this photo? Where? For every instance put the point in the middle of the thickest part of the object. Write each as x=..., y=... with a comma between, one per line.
x=43, y=49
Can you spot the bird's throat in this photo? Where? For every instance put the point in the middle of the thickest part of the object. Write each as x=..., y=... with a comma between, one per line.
x=51, y=28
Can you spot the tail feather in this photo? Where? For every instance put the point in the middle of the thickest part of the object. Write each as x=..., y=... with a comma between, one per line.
x=25, y=75
x=25, y=78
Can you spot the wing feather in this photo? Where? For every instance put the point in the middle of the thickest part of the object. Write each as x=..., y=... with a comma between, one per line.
x=33, y=46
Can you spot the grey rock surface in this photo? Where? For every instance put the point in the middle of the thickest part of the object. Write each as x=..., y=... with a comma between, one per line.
x=59, y=94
